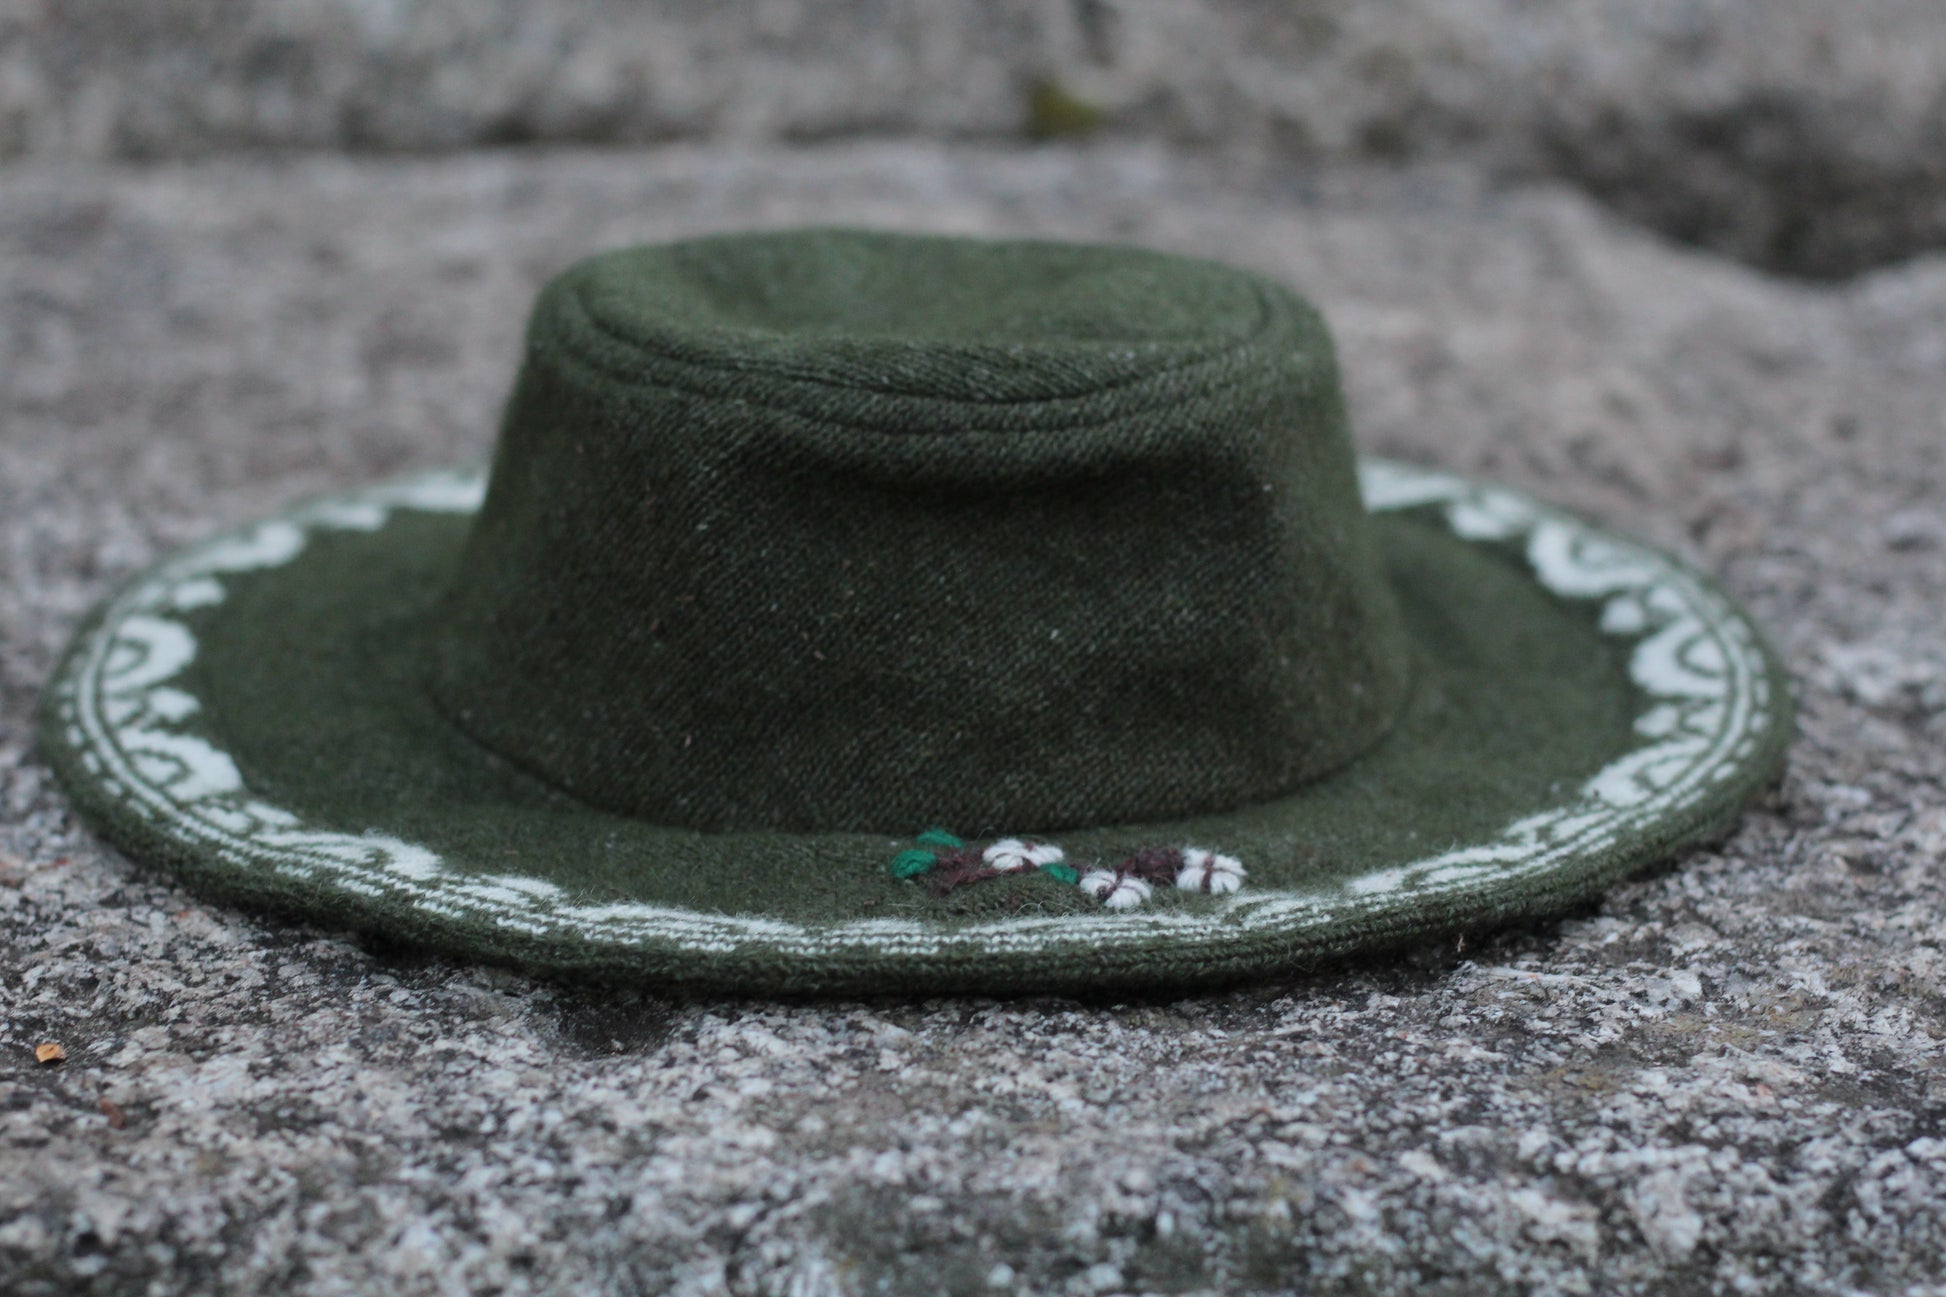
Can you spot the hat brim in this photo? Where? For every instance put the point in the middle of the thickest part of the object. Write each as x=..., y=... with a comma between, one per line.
x=251, y=714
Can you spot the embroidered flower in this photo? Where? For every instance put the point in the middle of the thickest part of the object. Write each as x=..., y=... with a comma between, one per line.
x=1206, y=871
x=1010, y=855
x=958, y=868
x=1117, y=891
x=947, y=863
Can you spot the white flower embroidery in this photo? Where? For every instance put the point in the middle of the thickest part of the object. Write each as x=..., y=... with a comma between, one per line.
x=1116, y=891
x=1011, y=854
x=1205, y=871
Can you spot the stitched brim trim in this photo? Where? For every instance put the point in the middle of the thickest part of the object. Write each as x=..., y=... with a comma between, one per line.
x=134, y=725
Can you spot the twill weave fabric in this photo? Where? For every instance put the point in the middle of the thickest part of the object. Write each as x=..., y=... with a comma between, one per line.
x=852, y=612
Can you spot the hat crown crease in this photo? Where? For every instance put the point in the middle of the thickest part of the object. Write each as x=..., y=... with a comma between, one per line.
x=1125, y=574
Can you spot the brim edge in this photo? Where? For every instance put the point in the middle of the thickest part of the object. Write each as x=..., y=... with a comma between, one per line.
x=1257, y=956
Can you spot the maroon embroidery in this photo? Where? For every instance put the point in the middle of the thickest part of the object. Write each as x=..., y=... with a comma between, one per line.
x=1155, y=865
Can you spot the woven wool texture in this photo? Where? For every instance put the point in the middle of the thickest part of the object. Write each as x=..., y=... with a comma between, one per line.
x=797, y=545
x=829, y=530
x=285, y=753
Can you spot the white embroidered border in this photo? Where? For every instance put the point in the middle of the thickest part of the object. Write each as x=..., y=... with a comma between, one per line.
x=1698, y=661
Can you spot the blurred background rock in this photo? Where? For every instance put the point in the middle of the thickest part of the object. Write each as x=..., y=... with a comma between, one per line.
x=1799, y=135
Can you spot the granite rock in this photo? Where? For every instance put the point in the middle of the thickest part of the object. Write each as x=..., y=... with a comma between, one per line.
x=1785, y=132
x=1727, y=1077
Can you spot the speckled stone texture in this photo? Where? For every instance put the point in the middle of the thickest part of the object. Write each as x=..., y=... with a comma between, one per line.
x=1801, y=134
x=1728, y=1078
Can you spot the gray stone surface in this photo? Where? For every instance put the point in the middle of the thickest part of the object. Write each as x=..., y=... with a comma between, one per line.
x=1791, y=133
x=1726, y=1078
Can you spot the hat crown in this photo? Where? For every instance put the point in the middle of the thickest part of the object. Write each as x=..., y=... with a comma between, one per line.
x=834, y=530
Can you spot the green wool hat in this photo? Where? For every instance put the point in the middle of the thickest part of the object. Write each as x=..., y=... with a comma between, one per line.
x=851, y=612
